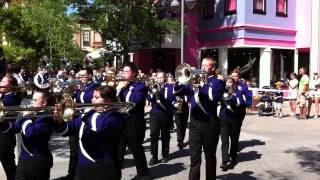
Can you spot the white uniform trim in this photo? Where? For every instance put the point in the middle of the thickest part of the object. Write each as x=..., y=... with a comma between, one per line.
x=129, y=94
x=24, y=125
x=210, y=93
x=25, y=148
x=94, y=121
x=64, y=131
x=196, y=98
x=10, y=126
x=84, y=152
x=244, y=98
x=166, y=93
x=82, y=97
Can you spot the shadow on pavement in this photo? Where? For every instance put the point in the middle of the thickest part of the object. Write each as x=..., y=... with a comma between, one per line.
x=250, y=143
x=280, y=176
x=246, y=175
x=179, y=154
x=249, y=156
x=163, y=170
x=309, y=159
x=59, y=146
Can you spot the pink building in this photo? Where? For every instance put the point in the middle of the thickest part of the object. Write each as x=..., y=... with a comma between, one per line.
x=267, y=40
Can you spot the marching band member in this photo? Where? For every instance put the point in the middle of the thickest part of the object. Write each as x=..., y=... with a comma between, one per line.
x=41, y=79
x=8, y=140
x=229, y=118
x=161, y=118
x=241, y=90
x=99, y=137
x=35, y=160
x=181, y=115
x=135, y=129
x=204, y=128
x=24, y=75
x=82, y=95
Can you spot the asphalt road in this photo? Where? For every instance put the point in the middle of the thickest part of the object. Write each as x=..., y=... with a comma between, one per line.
x=270, y=148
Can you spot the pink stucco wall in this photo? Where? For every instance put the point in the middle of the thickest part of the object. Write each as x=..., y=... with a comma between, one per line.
x=191, y=42
x=303, y=25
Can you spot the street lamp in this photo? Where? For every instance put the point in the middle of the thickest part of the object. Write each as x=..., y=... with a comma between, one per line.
x=175, y=6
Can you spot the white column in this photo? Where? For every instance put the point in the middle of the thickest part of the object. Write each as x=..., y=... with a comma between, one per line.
x=314, y=50
x=296, y=63
x=281, y=66
x=223, y=61
x=115, y=61
x=131, y=56
x=265, y=67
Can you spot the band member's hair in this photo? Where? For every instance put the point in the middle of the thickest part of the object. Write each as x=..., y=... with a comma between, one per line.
x=133, y=67
x=212, y=59
x=12, y=80
x=107, y=93
x=89, y=70
x=46, y=96
x=236, y=70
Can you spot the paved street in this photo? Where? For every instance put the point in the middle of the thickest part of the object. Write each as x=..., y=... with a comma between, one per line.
x=271, y=148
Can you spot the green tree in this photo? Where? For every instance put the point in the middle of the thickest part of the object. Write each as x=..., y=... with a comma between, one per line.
x=125, y=24
x=41, y=25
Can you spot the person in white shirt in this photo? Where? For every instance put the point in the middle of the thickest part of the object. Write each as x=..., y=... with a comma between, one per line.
x=313, y=96
x=293, y=93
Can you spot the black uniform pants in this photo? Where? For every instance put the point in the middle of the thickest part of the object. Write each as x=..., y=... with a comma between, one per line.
x=99, y=170
x=133, y=137
x=73, y=160
x=35, y=168
x=229, y=130
x=7, y=144
x=181, y=122
x=203, y=134
x=160, y=122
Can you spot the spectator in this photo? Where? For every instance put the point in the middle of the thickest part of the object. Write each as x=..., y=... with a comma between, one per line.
x=314, y=82
x=278, y=100
x=303, y=91
x=293, y=93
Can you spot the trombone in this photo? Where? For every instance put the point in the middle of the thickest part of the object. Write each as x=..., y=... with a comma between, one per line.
x=68, y=106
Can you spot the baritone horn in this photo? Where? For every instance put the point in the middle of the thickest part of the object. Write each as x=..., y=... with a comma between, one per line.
x=185, y=75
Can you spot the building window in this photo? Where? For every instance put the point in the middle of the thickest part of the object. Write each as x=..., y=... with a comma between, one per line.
x=231, y=7
x=259, y=6
x=208, y=9
x=86, y=38
x=282, y=8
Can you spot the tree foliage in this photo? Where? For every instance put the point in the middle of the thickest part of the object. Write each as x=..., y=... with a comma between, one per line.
x=126, y=25
x=40, y=25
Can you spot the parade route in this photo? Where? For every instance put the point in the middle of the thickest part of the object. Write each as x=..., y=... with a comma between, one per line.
x=270, y=148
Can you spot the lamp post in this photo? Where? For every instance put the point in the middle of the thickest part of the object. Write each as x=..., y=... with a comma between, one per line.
x=175, y=5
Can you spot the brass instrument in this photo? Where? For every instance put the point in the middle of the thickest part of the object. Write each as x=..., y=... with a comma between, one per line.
x=228, y=94
x=153, y=86
x=185, y=75
x=112, y=80
x=68, y=106
x=59, y=87
x=180, y=104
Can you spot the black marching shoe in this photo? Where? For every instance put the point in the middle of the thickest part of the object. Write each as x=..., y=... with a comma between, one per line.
x=164, y=159
x=153, y=161
x=224, y=166
x=233, y=163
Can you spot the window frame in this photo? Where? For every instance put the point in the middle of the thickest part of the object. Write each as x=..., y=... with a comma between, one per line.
x=259, y=11
x=85, y=43
x=204, y=12
x=282, y=14
x=230, y=12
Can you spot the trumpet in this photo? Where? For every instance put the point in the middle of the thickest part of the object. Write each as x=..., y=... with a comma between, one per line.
x=184, y=75
x=59, y=87
x=68, y=106
x=113, y=80
x=228, y=94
